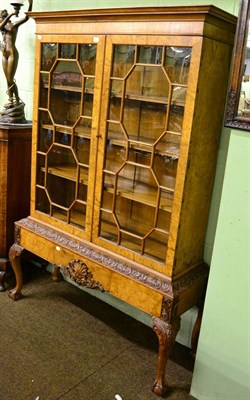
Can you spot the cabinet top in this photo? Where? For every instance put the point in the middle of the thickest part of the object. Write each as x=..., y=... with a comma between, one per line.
x=176, y=20
x=167, y=12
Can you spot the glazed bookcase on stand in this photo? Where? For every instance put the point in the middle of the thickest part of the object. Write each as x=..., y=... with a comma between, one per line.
x=128, y=110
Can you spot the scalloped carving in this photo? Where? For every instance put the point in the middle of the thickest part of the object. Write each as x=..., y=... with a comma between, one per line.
x=78, y=272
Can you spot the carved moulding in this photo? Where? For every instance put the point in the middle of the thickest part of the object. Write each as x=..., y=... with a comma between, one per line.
x=78, y=272
x=168, y=308
x=231, y=118
x=154, y=281
x=83, y=249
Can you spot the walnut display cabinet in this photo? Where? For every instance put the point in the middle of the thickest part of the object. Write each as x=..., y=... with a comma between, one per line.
x=128, y=111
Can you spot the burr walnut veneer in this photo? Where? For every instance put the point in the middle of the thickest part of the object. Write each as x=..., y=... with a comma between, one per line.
x=128, y=110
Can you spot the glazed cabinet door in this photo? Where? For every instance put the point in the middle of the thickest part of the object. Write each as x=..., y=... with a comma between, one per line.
x=142, y=128
x=64, y=147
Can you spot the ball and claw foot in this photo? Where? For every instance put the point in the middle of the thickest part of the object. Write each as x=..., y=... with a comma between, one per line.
x=14, y=295
x=159, y=389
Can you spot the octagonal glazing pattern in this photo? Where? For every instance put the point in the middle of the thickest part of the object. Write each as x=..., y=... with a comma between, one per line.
x=67, y=81
x=147, y=95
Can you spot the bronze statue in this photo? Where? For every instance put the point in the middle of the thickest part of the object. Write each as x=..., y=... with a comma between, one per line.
x=13, y=111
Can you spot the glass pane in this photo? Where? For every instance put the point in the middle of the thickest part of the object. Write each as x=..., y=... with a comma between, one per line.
x=67, y=51
x=87, y=105
x=63, y=137
x=156, y=245
x=155, y=82
x=60, y=213
x=44, y=81
x=169, y=145
x=177, y=63
x=87, y=58
x=62, y=176
x=165, y=169
x=147, y=81
x=107, y=197
x=45, y=138
x=82, y=183
x=144, y=121
x=150, y=55
x=67, y=73
x=179, y=95
x=48, y=55
x=108, y=227
x=61, y=191
x=115, y=157
x=77, y=214
x=124, y=57
x=163, y=220
x=42, y=201
x=139, y=157
x=40, y=178
x=116, y=88
x=82, y=149
x=134, y=81
x=115, y=109
x=89, y=85
x=65, y=107
x=83, y=127
x=45, y=133
x=175, y=119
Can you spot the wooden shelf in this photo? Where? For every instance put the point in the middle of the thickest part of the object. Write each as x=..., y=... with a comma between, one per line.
x=84, y=132
x=142, y=193
x=67, y=172
x=148, y=99
x=145, y=145
x=69, y=88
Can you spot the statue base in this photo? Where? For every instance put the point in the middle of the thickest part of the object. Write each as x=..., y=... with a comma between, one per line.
x=13, y=113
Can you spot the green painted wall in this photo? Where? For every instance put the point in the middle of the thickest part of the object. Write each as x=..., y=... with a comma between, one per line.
x=222, y=361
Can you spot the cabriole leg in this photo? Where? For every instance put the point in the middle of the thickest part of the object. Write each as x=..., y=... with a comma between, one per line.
x=14, y=257
x=166, y=333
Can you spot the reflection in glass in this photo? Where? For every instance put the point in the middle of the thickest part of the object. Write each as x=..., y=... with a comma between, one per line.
x=87, y=58
x=82, y=149
x=45, y=137
x=124, y=57
x=48, y=56
x=67, y=51
x=150, y=54
x=67, y=73
x=148, y=90
x=244, y=98
x=177, y=63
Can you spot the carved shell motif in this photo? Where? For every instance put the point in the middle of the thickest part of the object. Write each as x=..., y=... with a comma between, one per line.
x=78, y=271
